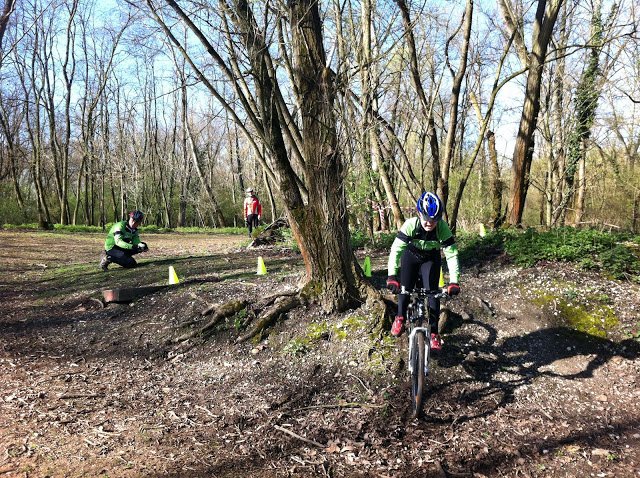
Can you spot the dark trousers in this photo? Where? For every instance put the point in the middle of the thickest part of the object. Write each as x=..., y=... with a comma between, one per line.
x=252, y=222
x=427, y=267
x=122, y=257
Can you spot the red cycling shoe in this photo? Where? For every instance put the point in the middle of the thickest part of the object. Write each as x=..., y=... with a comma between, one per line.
x=398, y=326
x=436, y=342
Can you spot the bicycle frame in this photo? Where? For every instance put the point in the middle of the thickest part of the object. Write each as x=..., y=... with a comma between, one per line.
x=417, y=313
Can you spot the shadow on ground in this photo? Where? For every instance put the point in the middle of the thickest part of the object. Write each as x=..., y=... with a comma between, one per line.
x=504, y=366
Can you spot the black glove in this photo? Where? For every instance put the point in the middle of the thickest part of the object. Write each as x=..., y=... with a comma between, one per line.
x=142, y=247
x=393, y=285
x=453, y=289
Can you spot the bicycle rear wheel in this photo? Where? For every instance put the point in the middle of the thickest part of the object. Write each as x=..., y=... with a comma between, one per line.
x=417, y=373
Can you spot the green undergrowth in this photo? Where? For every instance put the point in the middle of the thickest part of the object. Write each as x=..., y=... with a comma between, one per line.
x=616, y=255
x=359, y=239
x=318, y=331
x=209, y=230
x=473, y=248
x=381, y=240
x=593, y=315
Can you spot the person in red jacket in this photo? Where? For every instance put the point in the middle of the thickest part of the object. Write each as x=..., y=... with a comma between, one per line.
x=252, y=210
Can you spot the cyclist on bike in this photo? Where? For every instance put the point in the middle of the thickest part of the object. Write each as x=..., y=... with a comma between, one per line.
x=416, y=251
x=123, y=242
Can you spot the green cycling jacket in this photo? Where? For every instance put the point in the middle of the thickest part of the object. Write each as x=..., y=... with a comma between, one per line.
x=121, y=235
x=413, y=235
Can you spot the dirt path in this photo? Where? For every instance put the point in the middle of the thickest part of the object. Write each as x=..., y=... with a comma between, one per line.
x=88, y=391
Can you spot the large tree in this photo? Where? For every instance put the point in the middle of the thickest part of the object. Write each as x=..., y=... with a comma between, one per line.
x=302, y=155
x=545, y=19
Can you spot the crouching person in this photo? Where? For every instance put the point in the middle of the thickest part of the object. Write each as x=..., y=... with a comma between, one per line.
x=123, y=242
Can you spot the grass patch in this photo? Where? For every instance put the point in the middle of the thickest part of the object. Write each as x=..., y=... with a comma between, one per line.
x=301, y=345
x=150, y=228
x=73, y=279
x=211, y=230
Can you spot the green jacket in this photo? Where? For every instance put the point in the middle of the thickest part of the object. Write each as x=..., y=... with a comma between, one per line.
x=413, y=235
x=121, y=235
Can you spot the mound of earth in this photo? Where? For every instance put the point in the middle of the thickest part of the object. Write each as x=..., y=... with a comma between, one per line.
x=91, y=390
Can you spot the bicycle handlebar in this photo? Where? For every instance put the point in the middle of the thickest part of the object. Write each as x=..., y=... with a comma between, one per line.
x=424, y=293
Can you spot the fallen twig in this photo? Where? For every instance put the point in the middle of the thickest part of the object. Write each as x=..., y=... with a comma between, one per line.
x=295, y=435
x=79, y=395
x=440, y=471
x=207, y=411
x=361, y=383
x=341, y=405
x=102, y=304
x=209, y=309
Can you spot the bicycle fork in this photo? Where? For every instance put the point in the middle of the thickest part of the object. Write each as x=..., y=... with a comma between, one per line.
x=413, y=347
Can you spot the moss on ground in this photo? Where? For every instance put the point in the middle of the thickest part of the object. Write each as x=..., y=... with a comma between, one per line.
x=380, y=351
x=595, y=319
x=348, y=326
x=381, y=355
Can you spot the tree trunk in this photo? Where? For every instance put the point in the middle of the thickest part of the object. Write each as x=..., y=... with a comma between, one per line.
x=635, y=212
x=272, y=199
x=34, y=130
x=4, y=18
x=195, y=156
x=557, y=156
x=523, y=150
x=454, y=105
x=426, y=107
x=11, y=136
x=371, y=141
x=322, y=227
x=495, y=182
x=581, y=190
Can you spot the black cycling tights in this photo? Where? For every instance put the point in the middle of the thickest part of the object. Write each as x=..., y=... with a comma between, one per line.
x=428, y=267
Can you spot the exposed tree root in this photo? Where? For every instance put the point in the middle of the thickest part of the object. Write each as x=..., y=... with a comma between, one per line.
x=268, y=316
x=263, y=314
x=225, y=310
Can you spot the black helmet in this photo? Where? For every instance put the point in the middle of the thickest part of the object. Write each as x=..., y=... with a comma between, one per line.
x=137, y=216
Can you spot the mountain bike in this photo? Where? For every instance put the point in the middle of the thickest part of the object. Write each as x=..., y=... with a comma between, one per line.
x=419, y=331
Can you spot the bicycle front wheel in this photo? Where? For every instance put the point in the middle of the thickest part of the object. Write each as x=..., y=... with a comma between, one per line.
x=417, y=373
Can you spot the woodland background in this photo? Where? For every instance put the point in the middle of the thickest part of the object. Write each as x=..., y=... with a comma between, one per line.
x=109, y=106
